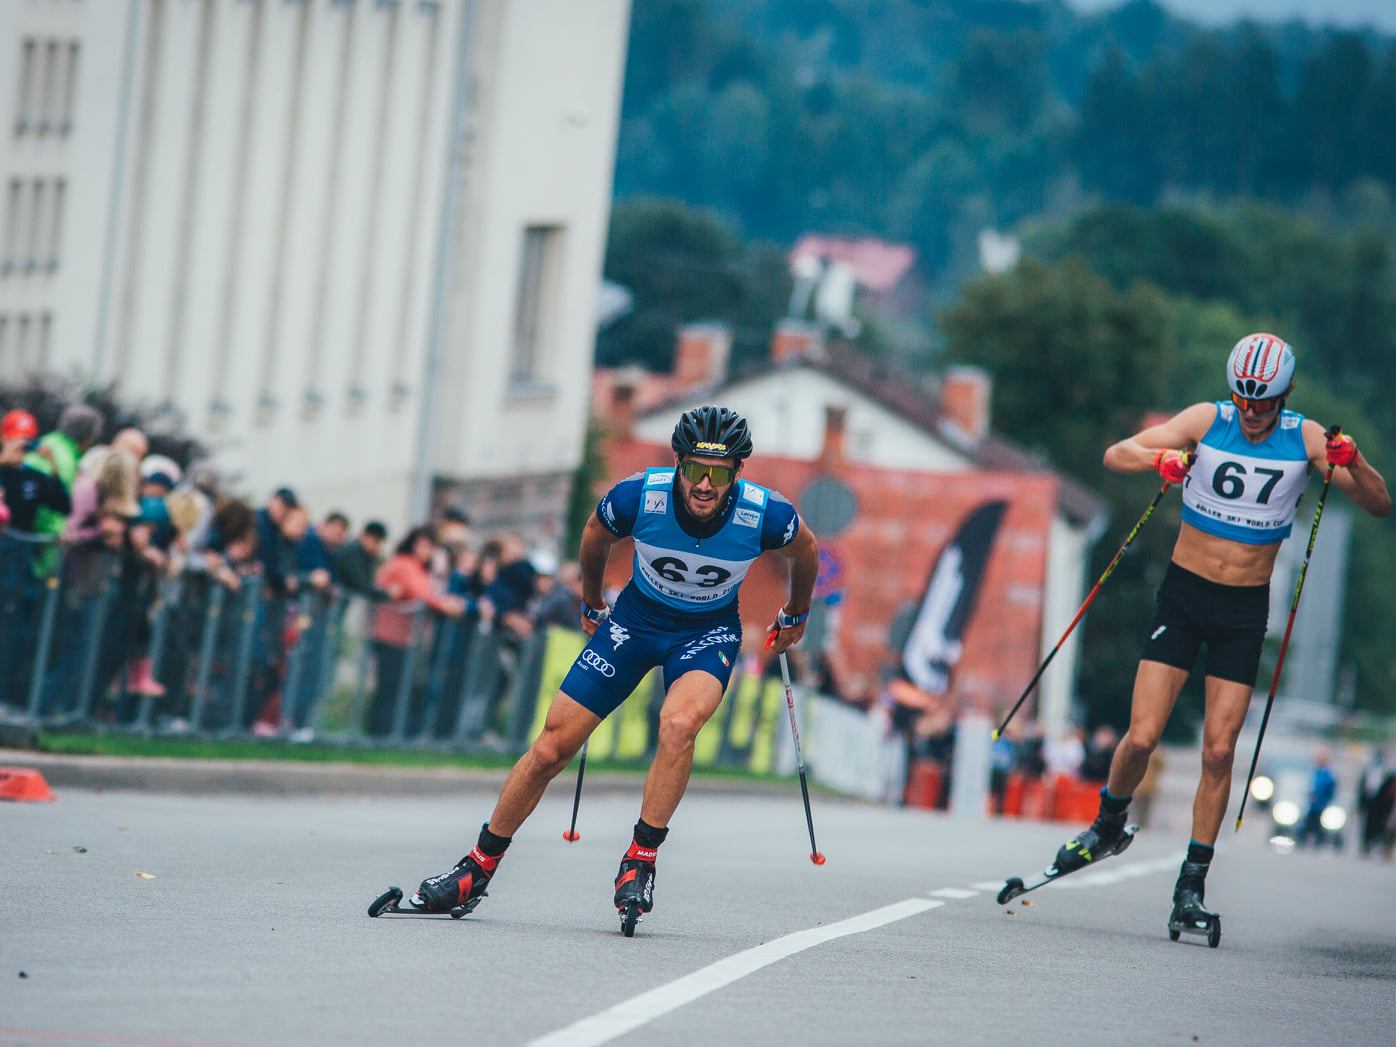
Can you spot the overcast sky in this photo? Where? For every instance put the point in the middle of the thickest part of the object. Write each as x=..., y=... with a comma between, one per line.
x=1380, y=13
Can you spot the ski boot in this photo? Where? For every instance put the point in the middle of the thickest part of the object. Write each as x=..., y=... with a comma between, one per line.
x=635, y=886
x=1188, y=916
x=460, y=889
x=1108, y=835
x=1105, y=836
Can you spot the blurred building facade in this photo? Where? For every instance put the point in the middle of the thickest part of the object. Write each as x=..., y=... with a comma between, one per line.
x=885, y=474
x=356, y=242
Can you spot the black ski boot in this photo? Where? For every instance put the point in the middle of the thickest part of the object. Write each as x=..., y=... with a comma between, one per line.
x=635, y=886
x=1106, y=836
x=1188, y=916
x=460, y=889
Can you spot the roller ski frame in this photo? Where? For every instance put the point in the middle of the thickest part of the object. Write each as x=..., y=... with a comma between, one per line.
x=630, y=915
x=1204, y=925
x=1014, y=885
x=1188, y=915
x=389, y=903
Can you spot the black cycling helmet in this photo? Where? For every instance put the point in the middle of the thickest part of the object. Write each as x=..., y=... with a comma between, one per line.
x=712, y=431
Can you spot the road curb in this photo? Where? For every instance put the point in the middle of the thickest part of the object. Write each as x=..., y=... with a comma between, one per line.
x=292, y=778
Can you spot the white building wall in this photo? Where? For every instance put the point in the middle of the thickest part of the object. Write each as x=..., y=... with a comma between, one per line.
x=785, y=410
x=543, y=148
x=76, y=146
x=1068, y=552
x=274, y=174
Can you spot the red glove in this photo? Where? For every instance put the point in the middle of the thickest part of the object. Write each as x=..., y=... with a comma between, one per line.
x=1173, y=466
x=1342, y=450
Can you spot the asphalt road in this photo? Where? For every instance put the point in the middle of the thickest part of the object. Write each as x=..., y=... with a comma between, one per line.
x=253, y=931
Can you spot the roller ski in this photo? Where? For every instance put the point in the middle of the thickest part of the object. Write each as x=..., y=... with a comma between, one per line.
x=1107, y=836
x=635, y=887
x=455, y=893
x=1188, y=916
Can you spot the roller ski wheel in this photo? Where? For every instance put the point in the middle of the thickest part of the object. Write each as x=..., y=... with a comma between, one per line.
x=389, y=903
x=1015, y=886
x=629, y=917
x=1204, y=925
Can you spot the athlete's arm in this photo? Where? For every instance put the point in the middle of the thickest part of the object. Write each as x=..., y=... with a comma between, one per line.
x=803, y=554
x=1359, y=481
x=1184, y=431
x=597, y=543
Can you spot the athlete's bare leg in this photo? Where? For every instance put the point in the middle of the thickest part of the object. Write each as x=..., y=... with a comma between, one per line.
x=568, y=725
x=1227, y=702
x=692, y=699
x=1156, y=688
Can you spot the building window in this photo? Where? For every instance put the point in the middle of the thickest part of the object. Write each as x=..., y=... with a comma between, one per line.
x=13, y=215
x=25, y=93
x=38, y=196
x=22, y=342
x=55, y=225
x=48, y=102
x=45, y=338
x=5, y=366
x=70, y=88
x=533, y=305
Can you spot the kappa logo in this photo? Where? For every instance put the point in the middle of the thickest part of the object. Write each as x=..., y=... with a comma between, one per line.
x=619, y=634
x=660, y=480
x=608, y=511
x=595, y=661
x=754, y=495
x=746, y=518
x=1158, y=632
x=656, y=501
x=789, y=534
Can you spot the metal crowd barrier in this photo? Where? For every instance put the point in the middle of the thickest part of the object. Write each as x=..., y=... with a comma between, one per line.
x=93, y=640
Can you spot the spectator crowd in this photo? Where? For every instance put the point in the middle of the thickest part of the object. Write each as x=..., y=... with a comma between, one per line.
x=131, y=545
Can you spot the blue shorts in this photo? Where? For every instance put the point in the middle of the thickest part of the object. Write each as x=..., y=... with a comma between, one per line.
x=640, y=635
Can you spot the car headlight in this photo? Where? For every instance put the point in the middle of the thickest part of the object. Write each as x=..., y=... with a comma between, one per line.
x=1333, y=818
x=1286, y=813
x=1262, y=789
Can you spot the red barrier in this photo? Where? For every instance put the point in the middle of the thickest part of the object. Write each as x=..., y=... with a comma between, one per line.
x=925, y=783
x=1056, y=797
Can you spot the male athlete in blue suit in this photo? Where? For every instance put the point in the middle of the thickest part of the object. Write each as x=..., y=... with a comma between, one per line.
x=697, y=525
x=1249, y=463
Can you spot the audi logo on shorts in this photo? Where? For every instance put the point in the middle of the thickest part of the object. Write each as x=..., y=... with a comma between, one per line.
x=598, y=663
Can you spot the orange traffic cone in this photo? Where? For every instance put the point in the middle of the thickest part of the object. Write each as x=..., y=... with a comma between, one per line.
x=24, y=785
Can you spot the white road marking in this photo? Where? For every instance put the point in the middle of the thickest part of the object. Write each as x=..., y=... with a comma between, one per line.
x=638, y=1010
x=956, y=893
x=1114, y=873
x=988, y=885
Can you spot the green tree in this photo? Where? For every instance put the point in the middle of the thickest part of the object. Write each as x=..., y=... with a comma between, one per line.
x=683, y=265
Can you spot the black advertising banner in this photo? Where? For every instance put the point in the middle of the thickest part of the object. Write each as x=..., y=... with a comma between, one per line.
x=937, y=636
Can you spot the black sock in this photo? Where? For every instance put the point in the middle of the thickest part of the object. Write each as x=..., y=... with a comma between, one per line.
x=1113, y=805
x=491, y=844
x=648, y=836
x=1200, y=854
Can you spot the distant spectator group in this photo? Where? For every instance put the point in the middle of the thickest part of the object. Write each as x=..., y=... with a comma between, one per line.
x=114, y=519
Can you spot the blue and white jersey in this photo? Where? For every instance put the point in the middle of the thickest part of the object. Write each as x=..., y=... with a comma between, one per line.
x=1247, y=492
x=681, y=563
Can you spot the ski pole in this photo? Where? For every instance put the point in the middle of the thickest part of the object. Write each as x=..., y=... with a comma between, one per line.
x=1332, y=434
x=572, y=835
x=814, y=854
x=1129, y=540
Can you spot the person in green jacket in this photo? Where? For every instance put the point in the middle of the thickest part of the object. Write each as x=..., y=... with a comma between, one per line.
x=58, y=454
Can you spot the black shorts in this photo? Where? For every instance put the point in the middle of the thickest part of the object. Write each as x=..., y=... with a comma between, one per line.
x=1230, y=619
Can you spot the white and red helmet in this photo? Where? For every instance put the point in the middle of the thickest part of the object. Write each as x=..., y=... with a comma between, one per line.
x=1260, y=367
